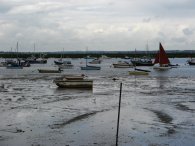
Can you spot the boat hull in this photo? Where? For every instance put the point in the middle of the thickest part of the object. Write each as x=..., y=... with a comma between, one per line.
x=14, y=66
x=142, y=64
x=90, y=68
x=37, y=61
x=138, y=73
x=75, y=84
x=65, y=66
x=48, y=71
x=191, y=63
x=122, y=66
x=162, y=68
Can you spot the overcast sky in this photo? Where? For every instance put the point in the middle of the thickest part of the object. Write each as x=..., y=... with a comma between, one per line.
x=97, y=24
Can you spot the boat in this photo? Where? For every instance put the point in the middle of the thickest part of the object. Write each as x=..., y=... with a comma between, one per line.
x=191, y=61
x=3, y=64
x=49, y=71
x=144, y=70
x=138, y=71
x=95, y=61
x=65, y=66
x=135, y=72
x=34, y=60
x=89, y=67
x=162, y=59
x=15, y=64
x=122, y=64
x=74, y=77
x=142, y=61
x=58, y=62
x=72, y=81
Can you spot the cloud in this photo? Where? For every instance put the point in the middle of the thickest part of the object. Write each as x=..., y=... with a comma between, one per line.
x=102, y=24
x=188, y=31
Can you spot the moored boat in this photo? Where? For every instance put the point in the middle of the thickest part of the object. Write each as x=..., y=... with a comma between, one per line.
x=95, y=61
x=142, y=62
x=64, y=64
x=49, y=71
x=191, y=61
x=122, y=64
x=3, y=64
x=72, y=81
x=135, y=72
x=34, y=60
x=162, y=59
x=14, y=66
x=89, y=67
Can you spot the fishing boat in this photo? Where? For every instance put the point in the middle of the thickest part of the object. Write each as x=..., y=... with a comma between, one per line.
x=72, y=81
x=191, y=61
x=162, y=59
x=122, y=64
x=49, y=70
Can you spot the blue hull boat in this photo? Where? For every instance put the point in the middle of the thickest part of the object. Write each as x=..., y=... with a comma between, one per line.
x=90, y=67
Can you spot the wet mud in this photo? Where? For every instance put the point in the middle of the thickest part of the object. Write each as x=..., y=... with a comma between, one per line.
x=156, y=110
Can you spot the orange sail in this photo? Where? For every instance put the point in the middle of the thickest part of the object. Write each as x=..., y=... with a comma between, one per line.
x=161, y=56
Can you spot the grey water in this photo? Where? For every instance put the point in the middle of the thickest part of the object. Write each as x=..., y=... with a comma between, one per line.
x=156, y=110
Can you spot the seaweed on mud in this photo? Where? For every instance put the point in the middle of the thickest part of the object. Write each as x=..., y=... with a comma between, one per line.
x=183, y=107
x=77, y=118
x=14, y=130
x=164, y=118
x=2, y=138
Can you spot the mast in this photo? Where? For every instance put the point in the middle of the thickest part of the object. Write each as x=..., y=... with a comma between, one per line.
x=34, y=47
x=17, y=49
x=147, y=50
x=86, y=55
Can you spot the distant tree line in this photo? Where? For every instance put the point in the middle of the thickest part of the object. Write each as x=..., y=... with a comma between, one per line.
x=92, y=54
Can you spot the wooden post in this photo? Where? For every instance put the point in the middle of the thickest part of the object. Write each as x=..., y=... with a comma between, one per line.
x=119, y=107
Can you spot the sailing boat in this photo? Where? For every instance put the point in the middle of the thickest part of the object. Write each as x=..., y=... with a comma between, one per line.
x=89, y=67
x=13, y=64
x=144, y=61
x=162, y=59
